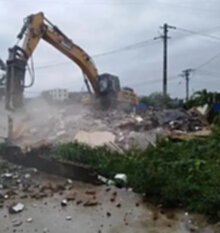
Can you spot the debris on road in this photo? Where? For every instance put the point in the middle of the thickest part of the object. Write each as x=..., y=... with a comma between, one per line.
x=91, y=203
x=17, y=223
x=64, y=202
x=122, y=177
x=16, y=208
x=29, y=220
x=68, y=218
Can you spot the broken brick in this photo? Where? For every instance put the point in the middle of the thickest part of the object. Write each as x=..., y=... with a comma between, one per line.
x=91, y=203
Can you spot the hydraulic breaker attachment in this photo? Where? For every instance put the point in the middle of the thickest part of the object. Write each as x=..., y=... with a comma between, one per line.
x=15, y=76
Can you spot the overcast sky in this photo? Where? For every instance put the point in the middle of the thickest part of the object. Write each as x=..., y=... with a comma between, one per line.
x=99, y=26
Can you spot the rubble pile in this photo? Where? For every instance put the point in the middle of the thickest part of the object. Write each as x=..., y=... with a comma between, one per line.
x=129, y=129
x=19, y=182
x=181, y=120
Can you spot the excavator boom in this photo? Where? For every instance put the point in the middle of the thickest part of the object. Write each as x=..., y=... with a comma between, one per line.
x=35, y=28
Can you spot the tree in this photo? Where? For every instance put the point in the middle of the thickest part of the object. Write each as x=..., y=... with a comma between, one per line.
x=155, y=99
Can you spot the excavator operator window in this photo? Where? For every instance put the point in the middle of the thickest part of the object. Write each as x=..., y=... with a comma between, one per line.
x=103, y=85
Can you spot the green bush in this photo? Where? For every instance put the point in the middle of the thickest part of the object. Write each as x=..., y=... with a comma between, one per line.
x=184, y=173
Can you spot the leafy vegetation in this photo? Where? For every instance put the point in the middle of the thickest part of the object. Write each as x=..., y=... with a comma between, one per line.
x=184, y=173
x=203, y=97
x=157, y=100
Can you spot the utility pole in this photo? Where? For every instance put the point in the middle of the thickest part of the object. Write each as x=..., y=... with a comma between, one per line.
x=165, y=37
x=186, y=74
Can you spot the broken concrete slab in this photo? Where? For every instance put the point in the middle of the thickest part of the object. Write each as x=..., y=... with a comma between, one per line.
x=95, y=138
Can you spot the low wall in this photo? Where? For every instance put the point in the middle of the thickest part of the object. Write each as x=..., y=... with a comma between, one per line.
x=40, y=159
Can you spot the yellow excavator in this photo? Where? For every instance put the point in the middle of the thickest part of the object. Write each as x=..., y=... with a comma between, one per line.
x=105, y=87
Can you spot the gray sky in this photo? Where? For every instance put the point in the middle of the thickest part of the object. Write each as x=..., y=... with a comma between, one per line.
x=100, y=26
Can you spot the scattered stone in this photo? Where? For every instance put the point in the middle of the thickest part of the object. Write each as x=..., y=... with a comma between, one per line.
x=71, y=197
x=17, y=223
x=118, y=205
x=15, y=176
x=64, y=202
x=108, y=214
x=137, y=204
x=29, y=220
x=60, y=187
x=79, y=202
x=69, y=181
x=23, y=196
x=27, y=176
x=90, y=192
x=34, y=170
x=16, y=208
x=68, y=218
x=46, y=230
x=121, y=177
x=91, y=203
x=7, y=175
x=108, y=189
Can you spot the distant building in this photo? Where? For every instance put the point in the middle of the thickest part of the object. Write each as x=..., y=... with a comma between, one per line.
x=56, y=94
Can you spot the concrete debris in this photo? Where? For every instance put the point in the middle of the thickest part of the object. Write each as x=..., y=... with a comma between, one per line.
x=69, y=181
x=68, y=218
x=16, y=208
x=46, y=230
x=91, y=203
x=116, y=129
x=122, y=177
x=29, y=220
x=27, y=176
x=16, y=223
x=95, y=138
x=7, y=175
x=64, y=202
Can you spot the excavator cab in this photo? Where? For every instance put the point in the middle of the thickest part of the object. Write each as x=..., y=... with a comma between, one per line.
x=108, y=84
x=108, y=89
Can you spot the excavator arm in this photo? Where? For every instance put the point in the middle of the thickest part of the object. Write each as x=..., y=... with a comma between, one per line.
x=35, y=28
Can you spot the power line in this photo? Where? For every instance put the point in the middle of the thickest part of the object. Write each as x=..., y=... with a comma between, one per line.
x=208, y=75
x=124, y=48
x=139, y=45
x=207, y=62
x=210, y=72
x=150, y=82
x=189, y=7
x=199, y=33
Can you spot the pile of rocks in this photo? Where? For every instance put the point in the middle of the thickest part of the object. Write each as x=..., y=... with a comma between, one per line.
x=19, y=182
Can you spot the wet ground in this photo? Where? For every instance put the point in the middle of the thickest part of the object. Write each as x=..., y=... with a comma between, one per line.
x=89, y=209
x=117, y=211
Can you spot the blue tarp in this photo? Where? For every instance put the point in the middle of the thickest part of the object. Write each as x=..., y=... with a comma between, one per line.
x=216, y=107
